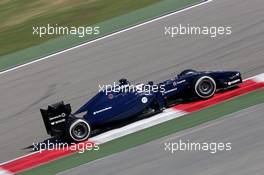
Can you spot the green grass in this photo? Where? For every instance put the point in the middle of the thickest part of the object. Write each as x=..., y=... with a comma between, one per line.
x=17, y=17
x=19, y=46
x=155, y=132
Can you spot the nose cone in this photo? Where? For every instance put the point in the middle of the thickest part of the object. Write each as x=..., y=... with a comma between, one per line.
x=233, y=74
x=236, y=74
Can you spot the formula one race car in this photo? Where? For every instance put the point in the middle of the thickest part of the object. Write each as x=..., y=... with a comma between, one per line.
x=125, y=101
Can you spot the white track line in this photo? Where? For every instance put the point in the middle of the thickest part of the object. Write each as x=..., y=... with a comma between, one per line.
x=259, y=78
x=167, y=115
x=104, y=37
x=4, y=172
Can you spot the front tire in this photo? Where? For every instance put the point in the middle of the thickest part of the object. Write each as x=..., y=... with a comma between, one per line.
x=79, y=130
x=205, y=87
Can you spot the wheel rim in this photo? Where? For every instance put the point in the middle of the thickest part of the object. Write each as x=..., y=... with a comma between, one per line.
x=80, y=131
x=206, y=87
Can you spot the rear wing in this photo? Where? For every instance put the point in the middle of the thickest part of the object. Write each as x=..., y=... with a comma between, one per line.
x=56, y=117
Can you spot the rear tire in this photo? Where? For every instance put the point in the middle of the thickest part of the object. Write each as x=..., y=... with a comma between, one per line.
x=205, y=87
x=79, y=130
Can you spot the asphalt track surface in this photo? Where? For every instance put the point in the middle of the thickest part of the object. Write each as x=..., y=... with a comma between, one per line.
x=141, y=54
x=243, y=129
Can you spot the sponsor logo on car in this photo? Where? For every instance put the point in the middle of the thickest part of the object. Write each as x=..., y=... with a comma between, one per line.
x=144, y=100
x=233, y=82
x=101, y=110
x=62, y=115
x=57, y=122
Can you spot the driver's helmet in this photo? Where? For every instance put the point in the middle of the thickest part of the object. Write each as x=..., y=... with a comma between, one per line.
x=123, y=82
